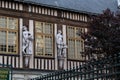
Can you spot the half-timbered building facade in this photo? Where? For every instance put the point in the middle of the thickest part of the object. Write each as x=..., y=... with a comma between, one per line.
x=43, y=19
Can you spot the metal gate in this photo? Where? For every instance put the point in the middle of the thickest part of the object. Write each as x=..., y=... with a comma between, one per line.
x=103, y=69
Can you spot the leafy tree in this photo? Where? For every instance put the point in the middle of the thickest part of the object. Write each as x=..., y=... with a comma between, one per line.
x=103, y=36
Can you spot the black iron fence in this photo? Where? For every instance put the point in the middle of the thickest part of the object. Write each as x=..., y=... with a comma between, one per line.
x=103, y=69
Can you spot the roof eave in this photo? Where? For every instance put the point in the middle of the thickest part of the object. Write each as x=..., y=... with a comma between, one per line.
x=57, y=7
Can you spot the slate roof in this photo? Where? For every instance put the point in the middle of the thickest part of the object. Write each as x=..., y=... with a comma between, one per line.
x=85, y=6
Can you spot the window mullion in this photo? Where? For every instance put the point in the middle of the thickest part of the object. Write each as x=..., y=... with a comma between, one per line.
x=7, y=34
x=75, y=43
x=16, y=43
x=6, y=41
x=52, y=45
x=44, y=45
x=75, y=32
x=43, y=27
x=75, y=49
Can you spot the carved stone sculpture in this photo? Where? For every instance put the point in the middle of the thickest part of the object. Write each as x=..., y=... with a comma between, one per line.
x=26, y=45
x=61, y=47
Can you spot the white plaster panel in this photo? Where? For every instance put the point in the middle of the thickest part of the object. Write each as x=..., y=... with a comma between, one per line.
x=6, y=4
x=55, y=32
x=53, y=65
x=10, y=5
x=31, y=28
x=42, y=64
x=17, y=62
x=3, y=4
x=49, y=65
x=1, y=59
x=20, y=42
x=35, y=63
x=20, y=7
x=13, y=6
x=5, y=59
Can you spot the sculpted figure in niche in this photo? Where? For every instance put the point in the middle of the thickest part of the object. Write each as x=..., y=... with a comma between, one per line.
x=59, y=40
x=27, y=41
x=61, y=49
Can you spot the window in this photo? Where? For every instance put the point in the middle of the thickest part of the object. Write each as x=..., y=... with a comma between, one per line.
x=44, y=39
x=75, y=43
x=8, y=35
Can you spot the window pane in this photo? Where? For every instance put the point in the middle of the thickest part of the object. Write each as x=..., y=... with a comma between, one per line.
x=12, y=23
x=48, y=28
x=77, y=31
x=48, y=46
x=3, y=41
x=39, y=27
x=3, y=22
x=78, y=49
x=12, y=38
x=71, y=32
x=71, y=49
x=39, y=45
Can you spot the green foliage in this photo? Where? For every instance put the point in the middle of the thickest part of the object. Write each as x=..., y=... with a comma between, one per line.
x=106, y=28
